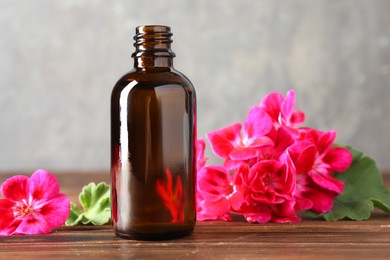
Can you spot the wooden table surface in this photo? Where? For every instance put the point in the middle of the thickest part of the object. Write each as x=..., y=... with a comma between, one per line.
x=307, y=239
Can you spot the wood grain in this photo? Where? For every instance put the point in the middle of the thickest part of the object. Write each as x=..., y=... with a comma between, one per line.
x=307, y=239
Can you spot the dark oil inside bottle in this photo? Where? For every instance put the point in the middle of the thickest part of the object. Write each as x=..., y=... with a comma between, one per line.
x=155, y=167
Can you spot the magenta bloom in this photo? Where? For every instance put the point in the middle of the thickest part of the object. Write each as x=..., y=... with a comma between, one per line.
x=281, y=140
x=316, y=160
x=229, y=144
x=330, y=159
x=281, y=109
x=265, y=192
x=213, y=191
x=32, y=205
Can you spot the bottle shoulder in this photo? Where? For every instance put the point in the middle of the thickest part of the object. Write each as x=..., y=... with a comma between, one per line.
x=155, y=78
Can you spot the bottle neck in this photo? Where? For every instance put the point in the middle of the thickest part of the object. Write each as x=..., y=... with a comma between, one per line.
x=150, y=62
x=153, y=47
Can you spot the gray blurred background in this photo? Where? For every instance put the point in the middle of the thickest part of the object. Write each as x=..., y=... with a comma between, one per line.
x=60, y=59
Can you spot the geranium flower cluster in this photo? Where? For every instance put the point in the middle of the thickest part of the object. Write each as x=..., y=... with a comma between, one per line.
x=272, y=169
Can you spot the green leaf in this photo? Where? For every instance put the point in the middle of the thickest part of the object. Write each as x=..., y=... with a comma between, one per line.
x=75, y=215
x=364, y=190
x=355, y=210
x=96, y=203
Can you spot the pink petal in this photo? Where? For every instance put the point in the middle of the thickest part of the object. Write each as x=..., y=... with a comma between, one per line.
x=257, y=123
x=240, y=175
x=8, y=223
x=236, y=200
x=293, y=219
x=257, y=185
x=213, y=210
x=262, y=215
x=213, y=182
x=303, y=154
x=288, y=177
x=200, y=147
x=56, y=211
x=339, y=159
x=271, y=103
x=287, y=105
x=33, y=224
x=279, y=141
x=322, y=199
x=309, y=134
x=325, y=142
x=306, y=159
x=242, y=190
x=43, y=185
x=14, y=188
x=200, y=159
x=302, y=203
x=263, y=167
x=284, y=139
x=285, y=212
x=230, y=164
x=222, y=140
x=261, y=141
x=328, y=182
x=268, y=197
x=297, y=117
x=243, y=153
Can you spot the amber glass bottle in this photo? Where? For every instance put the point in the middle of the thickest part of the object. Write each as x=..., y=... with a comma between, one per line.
x=153, y=135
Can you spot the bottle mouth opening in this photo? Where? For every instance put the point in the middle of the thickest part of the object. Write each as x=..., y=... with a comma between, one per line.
x=152, y=28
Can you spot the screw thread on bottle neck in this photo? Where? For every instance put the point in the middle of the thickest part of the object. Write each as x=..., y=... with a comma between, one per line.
x=153, y=40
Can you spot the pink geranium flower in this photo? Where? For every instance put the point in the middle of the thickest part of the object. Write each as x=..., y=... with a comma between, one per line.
x=32, y=205
x=265, y=192
x=281, y=140
x=316, y=160
x=281, y=109
x=333, y=159
x=328, y=159
x=232, y=145
x=213, y=192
